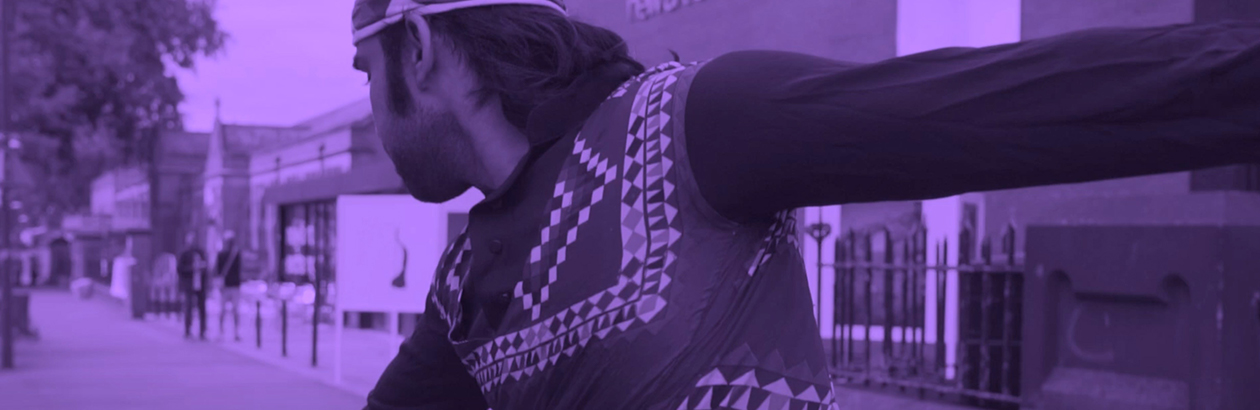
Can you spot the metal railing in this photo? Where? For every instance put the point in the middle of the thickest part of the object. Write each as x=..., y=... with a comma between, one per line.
x=167, y=302
x=948, y=329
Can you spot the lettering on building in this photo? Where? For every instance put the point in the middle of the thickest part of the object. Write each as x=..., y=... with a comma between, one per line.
x=640, y=10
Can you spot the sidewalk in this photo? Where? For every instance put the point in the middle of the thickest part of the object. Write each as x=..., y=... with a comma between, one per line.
x=93, y=356
x=367, y=352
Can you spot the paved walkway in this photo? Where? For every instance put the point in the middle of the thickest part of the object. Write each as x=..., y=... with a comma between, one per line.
x=367, y=352
x=93, y=356
x=102, y=357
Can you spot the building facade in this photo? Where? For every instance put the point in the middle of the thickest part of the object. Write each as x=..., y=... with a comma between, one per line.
x=223, y=189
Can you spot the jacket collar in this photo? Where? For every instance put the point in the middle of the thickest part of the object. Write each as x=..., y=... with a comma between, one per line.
x=565, y=114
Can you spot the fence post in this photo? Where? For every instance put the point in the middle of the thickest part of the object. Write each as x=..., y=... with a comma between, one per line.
x=939, y=274
x=850, y=293
x=315, y=324
x=888, y=297
x=1008, y=244
x=869, y=307
x=837, y=304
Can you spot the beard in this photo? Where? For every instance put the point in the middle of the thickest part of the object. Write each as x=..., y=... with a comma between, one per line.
x=432, y=155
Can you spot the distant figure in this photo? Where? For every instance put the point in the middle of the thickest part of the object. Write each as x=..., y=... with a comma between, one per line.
x=193, y=282
x=120, y=284
x=228, y=265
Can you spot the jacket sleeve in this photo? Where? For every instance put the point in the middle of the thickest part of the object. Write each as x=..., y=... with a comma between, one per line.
x=768, y=131
x=426, y=374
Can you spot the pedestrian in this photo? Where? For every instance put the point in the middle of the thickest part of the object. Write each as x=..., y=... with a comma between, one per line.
x=193, y=283
x=636, y=245
x=228, y=265
x=120, y=280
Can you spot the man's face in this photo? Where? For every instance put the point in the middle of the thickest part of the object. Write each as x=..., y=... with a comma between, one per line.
x=429, y=148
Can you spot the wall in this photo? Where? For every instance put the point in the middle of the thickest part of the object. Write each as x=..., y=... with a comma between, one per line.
x=1044, y=18
x=855, y=30
x=131, y=209
x=298, y=160
x=348, y=139
x=290, y=163
x=103, y=189
x=1021, y=207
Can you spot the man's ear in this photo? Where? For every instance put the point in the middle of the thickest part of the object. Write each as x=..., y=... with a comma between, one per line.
x=423, y=53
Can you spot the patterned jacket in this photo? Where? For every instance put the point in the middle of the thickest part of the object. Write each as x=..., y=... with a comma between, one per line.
x=615, y=286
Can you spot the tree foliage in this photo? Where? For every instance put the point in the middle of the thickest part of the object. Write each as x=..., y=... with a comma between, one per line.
x=92, y=84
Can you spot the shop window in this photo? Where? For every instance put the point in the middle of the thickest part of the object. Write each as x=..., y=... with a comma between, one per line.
x=308, y=237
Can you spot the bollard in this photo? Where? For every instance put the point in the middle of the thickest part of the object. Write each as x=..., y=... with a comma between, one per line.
x=284, y=328
x=315, y=332
x=258, y=322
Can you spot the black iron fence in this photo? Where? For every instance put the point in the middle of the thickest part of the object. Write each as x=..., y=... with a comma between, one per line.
x=941, y=328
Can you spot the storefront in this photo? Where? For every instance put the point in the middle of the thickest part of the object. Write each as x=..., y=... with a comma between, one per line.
x=308, y=242
x=301, y=243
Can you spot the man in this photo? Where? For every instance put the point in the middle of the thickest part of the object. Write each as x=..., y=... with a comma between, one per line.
x=635, y=247
x=193, y=282
x=228, y=263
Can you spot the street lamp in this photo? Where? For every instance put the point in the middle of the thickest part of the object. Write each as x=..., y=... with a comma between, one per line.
x=6, y=288
x=819, y=231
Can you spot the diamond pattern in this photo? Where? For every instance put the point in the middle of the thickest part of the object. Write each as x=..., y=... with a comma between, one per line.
x=574, y=195
x=448, y=280
x=649, y=233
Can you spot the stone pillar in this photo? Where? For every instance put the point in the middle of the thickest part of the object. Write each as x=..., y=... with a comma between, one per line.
x=1144, y=303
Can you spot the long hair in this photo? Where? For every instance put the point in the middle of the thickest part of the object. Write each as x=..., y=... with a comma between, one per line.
x=524, y=55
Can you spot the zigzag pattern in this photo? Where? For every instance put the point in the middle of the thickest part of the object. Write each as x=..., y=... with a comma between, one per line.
x=578, y=187
x=729, y=387
x=448, y=280
x=649, y=232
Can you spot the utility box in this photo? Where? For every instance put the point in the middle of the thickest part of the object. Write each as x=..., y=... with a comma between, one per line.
x=1143, y=316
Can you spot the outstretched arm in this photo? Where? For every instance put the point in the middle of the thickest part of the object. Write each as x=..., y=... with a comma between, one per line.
x=768, y=131
x=426, y=374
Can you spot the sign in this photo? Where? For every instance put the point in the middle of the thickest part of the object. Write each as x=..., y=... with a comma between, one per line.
x=388, y=247
x=640, y=10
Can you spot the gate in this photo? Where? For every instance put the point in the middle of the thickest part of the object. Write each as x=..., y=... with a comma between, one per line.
x=894, y=313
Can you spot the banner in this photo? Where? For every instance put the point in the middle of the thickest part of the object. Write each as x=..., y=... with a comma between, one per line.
x=388, y=247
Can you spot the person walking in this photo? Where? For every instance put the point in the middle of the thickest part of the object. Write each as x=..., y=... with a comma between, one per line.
x=228, y=267
x=120, y=278
x=194, y=281
x=636, y=247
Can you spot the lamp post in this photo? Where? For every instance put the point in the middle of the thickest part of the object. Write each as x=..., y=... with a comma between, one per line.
x=819, y=231
x=6, y=293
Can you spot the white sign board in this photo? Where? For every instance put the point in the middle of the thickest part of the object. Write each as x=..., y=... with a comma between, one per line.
x=388, y=247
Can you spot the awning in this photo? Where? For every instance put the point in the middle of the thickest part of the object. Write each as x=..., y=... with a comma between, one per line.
x=367, y=179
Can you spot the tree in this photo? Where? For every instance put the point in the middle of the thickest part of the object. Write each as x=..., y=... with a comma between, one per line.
x=91, y=85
